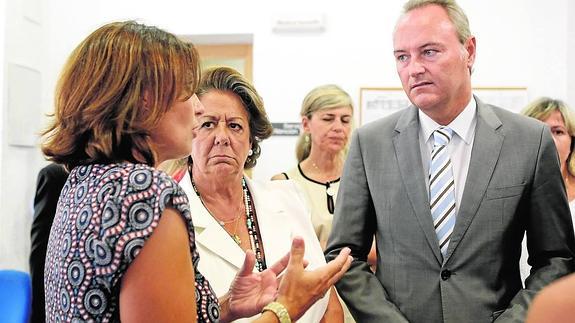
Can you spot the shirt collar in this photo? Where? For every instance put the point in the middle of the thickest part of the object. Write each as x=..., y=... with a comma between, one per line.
x=461, y=125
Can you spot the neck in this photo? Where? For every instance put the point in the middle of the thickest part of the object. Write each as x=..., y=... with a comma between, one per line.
x=445, y=119
x=445, y=116
x=216, y=185
x=323, y=166
x=224, y=199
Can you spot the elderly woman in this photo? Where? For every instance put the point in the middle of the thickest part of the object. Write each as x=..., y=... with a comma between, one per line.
x=122, y=245
x=233, y=214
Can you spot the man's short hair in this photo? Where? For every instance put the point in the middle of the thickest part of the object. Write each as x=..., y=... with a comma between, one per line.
x=454, y=12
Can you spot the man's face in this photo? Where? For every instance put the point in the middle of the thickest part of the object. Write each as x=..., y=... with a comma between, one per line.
x=432, y=64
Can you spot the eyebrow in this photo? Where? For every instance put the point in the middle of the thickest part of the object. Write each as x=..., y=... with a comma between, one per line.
x=235, y=118
x=207, y=116
x=430, y=44
x=334, y=115
x=213, y=117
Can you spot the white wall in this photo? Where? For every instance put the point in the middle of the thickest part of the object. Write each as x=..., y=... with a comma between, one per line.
x=3, y=17
x=23, y=40
x=520, y=43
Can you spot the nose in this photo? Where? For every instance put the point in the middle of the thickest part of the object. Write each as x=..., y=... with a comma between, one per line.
x=415, y=67
x=221, y=135
x=338, y=125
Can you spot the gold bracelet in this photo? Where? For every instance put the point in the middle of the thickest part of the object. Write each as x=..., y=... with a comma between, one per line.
x=279, y=310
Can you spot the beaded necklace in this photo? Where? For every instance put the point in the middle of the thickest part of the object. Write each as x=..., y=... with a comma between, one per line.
x=253, y=231
x=251, y=224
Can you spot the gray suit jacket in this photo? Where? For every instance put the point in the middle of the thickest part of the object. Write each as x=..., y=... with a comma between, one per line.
x=513, y=185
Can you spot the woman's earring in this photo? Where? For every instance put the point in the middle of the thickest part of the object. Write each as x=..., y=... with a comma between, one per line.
x=250, y=152
x=306, y=138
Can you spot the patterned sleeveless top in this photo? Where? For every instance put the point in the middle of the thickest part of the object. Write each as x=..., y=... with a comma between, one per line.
x=105, y=215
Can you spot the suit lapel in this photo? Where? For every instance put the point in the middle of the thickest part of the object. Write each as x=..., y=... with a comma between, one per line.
x=274, y=230
x=484, y=156
x=406, y=145
x=209, y=233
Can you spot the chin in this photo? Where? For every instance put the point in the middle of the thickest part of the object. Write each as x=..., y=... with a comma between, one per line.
x=225, y=169
x=335, y=149
x=338, y=148
x=424, y=101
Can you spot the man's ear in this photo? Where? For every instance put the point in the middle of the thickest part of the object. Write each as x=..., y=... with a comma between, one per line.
x=470, y=47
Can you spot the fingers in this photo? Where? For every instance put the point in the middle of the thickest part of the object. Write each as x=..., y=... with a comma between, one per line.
x=297, y=252
x=338, y=266
x=342, y=270
x=248, y=265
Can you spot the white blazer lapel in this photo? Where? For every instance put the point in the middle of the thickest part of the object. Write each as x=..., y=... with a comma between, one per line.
x=209, y=234
x=275, y=229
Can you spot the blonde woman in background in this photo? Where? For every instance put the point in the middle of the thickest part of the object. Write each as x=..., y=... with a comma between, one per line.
x=555, y=303
x=561, y=121
x=327, y=119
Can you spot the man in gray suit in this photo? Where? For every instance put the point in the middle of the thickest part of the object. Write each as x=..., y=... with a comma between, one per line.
x=448, y=186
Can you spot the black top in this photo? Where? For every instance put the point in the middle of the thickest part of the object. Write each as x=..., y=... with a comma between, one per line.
x=50, y=181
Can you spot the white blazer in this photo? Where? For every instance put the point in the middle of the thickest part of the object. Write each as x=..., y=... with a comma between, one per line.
x=282, y=213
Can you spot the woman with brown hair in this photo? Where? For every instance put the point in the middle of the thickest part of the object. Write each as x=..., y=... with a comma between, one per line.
x=122, y=246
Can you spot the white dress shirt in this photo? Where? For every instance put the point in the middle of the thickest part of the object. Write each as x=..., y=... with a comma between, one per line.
x=459, y=146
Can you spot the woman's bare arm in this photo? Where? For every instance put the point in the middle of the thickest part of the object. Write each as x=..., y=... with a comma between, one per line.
x=159, y=284
x=334, y=311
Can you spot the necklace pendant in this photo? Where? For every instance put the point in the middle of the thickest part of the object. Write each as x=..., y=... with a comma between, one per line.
x=330, y=190
x=237, y=239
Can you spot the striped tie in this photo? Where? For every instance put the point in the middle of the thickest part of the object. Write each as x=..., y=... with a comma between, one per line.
x=442, y=188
